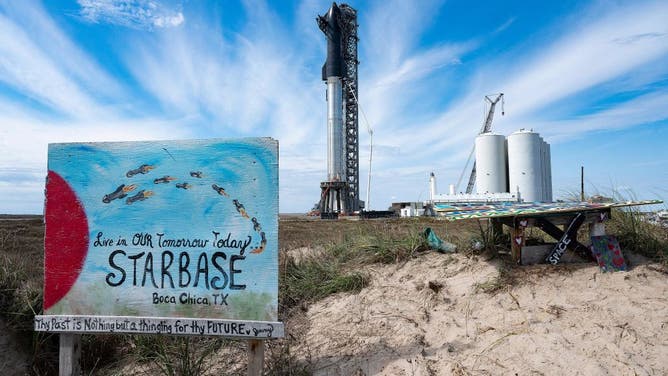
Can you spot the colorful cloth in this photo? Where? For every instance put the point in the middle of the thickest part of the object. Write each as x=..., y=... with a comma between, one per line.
x=437, y=243
x=608, y=253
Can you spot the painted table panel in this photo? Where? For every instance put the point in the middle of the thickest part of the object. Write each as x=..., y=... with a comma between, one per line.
x=455, y=212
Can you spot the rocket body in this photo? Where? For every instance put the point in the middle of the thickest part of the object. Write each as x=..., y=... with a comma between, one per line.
x=335, y=135
x=332, y=73
x=339, y=194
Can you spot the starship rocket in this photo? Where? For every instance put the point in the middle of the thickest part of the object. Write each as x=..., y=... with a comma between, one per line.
x=332, y=73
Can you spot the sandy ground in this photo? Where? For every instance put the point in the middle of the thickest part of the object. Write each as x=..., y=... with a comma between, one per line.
x=426, y=317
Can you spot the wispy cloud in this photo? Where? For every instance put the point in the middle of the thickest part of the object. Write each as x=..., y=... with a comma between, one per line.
x=137, y=14
x=590, y=55
x=27, y=69
x=196, y=76
x=505, y=25
x=645, y=109
x=251, y=83
x=24, y=149
x=580, y=60
x=595, y=50
x=33, y=48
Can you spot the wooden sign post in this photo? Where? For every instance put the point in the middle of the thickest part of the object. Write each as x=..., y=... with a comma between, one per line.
x=164, y=237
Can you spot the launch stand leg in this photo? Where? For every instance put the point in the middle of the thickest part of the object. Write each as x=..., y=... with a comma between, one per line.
x=70, y=353
x=334, y=199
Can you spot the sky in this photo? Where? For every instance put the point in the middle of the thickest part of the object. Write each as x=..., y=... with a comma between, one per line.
x=590, y=76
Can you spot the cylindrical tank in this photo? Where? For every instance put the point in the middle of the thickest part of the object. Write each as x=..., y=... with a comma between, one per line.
x=525, y=170
x=490, y=159
x=548, y=176
x=543, y=169
x=335, y=135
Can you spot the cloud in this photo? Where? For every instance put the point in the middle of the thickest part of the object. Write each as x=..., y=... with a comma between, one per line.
x=590, y=55
x=638, y=37
x=136, y=14
x=261, y=77
x=585, y=57
x=33, y=48
x=505, y=25
x=254, y=82
x=26, y=145
x=393, y=30
x=27, y=69
x=24, y=149
x=600, y=53
x=644, y=109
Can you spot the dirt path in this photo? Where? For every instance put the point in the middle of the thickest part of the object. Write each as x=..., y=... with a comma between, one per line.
x=426, y=318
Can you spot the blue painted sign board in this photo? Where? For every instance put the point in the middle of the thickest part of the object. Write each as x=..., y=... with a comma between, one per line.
x=177, y=237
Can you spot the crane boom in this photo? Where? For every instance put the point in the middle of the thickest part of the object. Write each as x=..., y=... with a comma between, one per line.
x=486, y=127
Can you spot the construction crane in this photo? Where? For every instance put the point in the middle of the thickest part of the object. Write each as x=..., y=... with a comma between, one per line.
x=486, y=127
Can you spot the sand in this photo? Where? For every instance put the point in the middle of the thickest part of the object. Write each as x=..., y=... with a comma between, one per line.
x=426, y=317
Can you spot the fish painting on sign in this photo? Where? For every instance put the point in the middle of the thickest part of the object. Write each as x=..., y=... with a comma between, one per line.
x=135, y=229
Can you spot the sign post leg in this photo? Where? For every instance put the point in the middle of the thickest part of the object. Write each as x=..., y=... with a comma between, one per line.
x=597, y=229
x=255, y=357
x=517, y=239
x=70, y=353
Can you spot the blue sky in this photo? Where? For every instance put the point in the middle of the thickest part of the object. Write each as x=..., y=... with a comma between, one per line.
x=590, y=77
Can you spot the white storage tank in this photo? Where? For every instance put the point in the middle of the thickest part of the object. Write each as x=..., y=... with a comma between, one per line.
x=525, y=165
x=548, y=176
x=490, y=159
x=543, y=168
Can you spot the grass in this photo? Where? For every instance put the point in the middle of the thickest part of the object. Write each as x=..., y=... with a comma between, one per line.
x=21, y=273
x=345, y=249
x=337, y=268
x=637, y=235
x=634, y=233
x=348, y=245
x=312, y=280
x=185, y=356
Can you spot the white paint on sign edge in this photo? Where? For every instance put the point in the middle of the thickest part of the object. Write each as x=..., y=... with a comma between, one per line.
x=159, y=325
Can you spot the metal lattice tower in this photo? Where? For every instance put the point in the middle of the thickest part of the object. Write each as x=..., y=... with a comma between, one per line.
x=349, y=38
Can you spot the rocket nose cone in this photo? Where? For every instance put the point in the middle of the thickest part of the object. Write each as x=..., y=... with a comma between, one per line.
x=332, y=11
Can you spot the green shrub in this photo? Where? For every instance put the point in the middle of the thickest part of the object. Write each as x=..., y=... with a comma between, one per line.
x=637, y=235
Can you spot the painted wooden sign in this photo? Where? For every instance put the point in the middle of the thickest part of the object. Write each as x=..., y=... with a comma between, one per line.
x=176, y=237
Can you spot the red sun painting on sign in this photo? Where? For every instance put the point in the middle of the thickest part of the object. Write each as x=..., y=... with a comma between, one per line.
x=66, y=239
